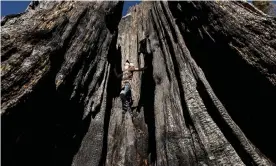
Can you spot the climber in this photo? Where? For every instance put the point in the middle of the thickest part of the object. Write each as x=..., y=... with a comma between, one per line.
x=125, y=93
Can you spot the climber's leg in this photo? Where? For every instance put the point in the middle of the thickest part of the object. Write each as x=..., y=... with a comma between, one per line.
x=124, y=95
x=125, y=90
x=129, y=98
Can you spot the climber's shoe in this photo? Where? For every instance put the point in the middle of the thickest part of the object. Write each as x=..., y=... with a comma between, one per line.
x=125, y=105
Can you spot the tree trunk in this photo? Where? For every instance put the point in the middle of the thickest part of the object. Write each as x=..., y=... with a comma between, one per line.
x=55, y=73
x=205, y=98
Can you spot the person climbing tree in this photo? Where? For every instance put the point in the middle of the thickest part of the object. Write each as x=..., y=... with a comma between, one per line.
x=125, y=93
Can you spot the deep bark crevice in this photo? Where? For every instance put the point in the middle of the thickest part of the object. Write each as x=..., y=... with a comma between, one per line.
x=113, y=88
x=245, y=93
x=114, y=58
x=212, y=110
x=109, y=18
x=147, y=102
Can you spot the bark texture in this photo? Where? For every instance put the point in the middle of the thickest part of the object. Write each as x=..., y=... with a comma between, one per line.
x=55, y=72
x=206, y=98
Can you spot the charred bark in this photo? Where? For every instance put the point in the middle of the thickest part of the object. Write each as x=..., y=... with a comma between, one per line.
x=238, y=60
x=205, y=98
x=55, y=72
x=193, y=107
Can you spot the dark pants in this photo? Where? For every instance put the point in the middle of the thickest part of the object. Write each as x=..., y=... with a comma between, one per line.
x=126, y=96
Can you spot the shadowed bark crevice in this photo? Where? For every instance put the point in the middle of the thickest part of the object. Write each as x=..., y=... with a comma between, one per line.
x=146, y=101
x=113, y=89
x=212, y=110
x=244, y=91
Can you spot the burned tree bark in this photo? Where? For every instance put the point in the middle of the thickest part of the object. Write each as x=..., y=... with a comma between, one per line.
x=205, y=98
x=243, y=49
x=54, y=72
x=183, y=95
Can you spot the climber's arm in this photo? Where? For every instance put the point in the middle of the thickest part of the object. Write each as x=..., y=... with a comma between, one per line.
x=139, y=69
x=135, y=69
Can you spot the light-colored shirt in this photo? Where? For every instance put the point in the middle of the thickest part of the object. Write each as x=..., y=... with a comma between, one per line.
x=127, y=75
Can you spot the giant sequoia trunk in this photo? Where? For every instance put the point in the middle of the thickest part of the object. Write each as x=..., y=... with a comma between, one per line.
x=55, y=73
x=206, y=96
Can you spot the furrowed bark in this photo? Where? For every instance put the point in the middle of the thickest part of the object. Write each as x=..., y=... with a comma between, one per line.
x=235, y=43
x=190, y=122
x=55, y=73
x=205, y=98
